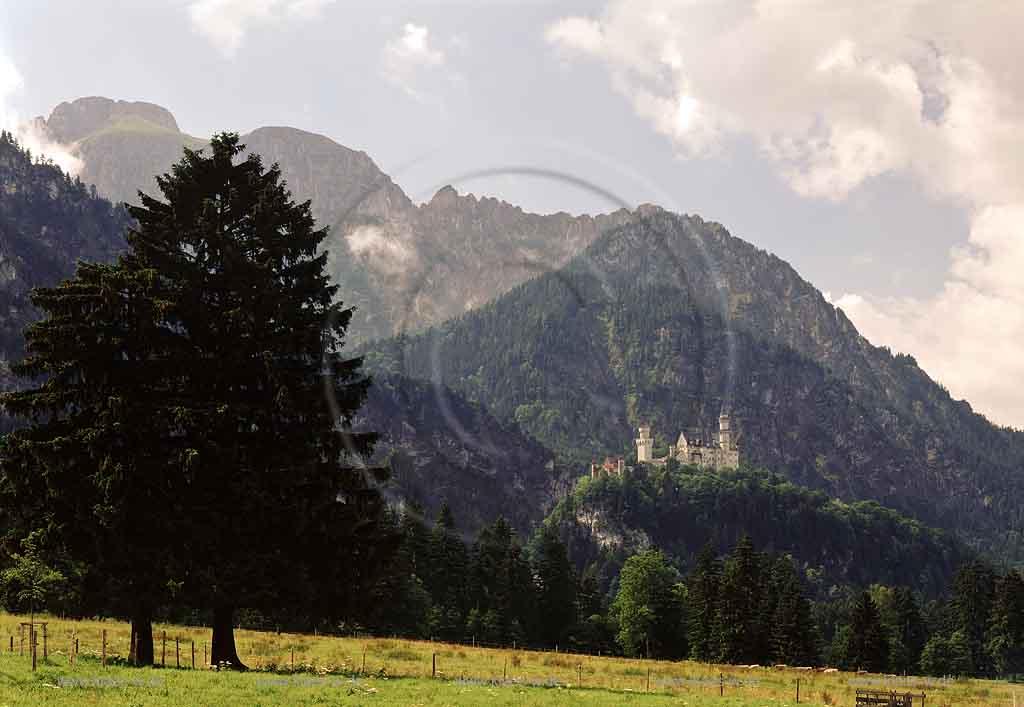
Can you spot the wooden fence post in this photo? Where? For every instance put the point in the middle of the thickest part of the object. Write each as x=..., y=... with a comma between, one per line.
x=177, y=654
x=293, y=658
x=504, y=671
x=132, y=653
x=163, y=648
x=579, y=675
x=193, y=654
x=648, y=679
x=76, y=648
x=12, y=643
x=103, y=660
x=46, y=653
x=433, y=664
x=21, y=639
x=721, y=685
x=798, y=690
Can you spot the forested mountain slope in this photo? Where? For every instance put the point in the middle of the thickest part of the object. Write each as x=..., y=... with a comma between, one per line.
x=48, y=221
x=680, y=509
x=667, y=319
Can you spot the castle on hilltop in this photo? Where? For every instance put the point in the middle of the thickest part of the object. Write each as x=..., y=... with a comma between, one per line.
x=694, y=451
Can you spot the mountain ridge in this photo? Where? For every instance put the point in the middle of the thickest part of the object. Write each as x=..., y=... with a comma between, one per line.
x=640, y=329
x=396, y=260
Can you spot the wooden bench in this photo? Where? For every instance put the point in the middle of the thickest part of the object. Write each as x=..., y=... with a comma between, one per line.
x=891, y=698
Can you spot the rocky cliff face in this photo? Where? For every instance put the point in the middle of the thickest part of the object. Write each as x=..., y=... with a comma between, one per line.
x=442, y=449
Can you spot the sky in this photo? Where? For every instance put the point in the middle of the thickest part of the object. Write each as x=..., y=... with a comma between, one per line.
x=873, y=145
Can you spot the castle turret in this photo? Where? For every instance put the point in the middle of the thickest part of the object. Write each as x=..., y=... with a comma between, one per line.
x=644, y=445
x=725, y=439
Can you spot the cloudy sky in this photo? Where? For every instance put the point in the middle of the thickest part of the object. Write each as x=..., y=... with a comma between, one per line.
x=873, y=145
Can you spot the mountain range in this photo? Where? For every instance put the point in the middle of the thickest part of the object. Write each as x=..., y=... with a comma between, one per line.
x=404, y=265
x=514, y=348
x=668, y=319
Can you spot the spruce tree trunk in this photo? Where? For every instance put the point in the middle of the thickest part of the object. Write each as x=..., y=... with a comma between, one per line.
x=142, y=638
x=222, y=647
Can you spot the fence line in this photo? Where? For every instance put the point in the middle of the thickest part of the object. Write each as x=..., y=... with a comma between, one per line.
x=645, y=675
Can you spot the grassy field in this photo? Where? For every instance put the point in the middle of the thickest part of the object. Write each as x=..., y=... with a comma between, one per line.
x=355, y=671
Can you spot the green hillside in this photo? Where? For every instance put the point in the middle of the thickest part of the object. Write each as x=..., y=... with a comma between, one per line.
x=679, y=509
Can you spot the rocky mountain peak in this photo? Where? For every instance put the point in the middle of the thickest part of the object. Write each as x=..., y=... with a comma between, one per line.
x=445, y=197
x=72, y=121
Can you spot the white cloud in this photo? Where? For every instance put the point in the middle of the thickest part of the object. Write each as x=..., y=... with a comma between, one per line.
x=407, y=57
x=837, y=94
x=225, y=22
x=28, y=134
x=576, y=33
x=386, y=253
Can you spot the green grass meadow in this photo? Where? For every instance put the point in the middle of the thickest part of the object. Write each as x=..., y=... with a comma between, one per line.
x=376, y=671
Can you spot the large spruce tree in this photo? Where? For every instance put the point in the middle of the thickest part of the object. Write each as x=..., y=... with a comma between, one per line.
x=98, y=465
x=277, y=506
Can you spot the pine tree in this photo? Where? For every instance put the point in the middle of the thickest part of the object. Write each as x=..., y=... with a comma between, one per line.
x=906, y=630
x=276, y=488
x=739, y=622
x=502, y=585
x=703, y=586
x=101, y=459
x=592, y=633
x=400, y=603
x=448, y=583
x=1006, y=632
x=866, y=642
x=793, y=634
x=973, y=593
x=556, y=589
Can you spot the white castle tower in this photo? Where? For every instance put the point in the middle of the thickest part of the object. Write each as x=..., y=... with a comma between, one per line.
x=645, y=446
x=725, y=440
